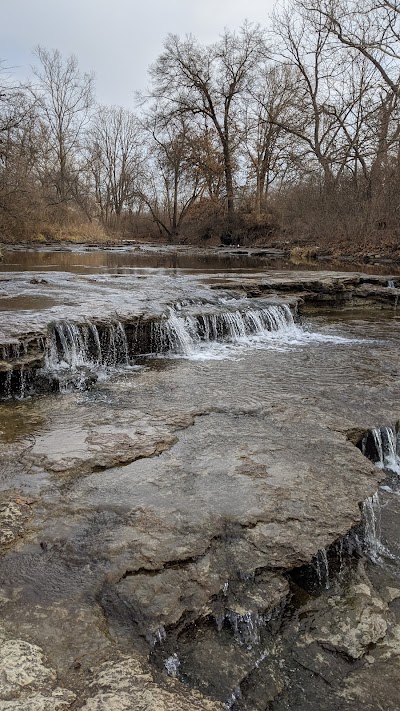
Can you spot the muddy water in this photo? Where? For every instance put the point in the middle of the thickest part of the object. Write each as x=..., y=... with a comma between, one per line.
x=164, y=511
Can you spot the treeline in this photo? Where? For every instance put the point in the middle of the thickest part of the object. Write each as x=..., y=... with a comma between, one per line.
x=290, y=132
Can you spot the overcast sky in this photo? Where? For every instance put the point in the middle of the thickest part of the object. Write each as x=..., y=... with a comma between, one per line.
x=117, y=39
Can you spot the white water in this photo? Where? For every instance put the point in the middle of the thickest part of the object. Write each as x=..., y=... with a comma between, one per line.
x=224, y=330
x=386, y=455
x=387, y=446
x=372, y=527
x=322, y=567
x=72, y=345
x=246, y=628
x=229, y=333
x=207, y=335
x=172, y=665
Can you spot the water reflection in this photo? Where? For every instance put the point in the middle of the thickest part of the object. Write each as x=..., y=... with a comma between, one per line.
x=121, y=261
x=113, y=261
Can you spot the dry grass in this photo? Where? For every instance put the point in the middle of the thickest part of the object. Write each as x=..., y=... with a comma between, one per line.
x=75, y=233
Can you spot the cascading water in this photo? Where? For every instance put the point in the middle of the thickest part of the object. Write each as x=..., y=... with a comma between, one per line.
x=322, y=568
x=172, y=665
x=372, y=527
x=382, y=446
x=76, y=354
x=246, y=628
x=191, y=335
x=73, y=345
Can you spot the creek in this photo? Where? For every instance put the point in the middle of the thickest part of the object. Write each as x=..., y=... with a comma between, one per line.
x=190, y=501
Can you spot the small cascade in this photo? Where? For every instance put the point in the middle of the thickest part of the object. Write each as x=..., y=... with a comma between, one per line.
x=391, y=284
x=172, y=665
x=73, y=354
x=382, y=446
x=246, y=628
x=15, y=384
x=157, y=637
x=184, y=333
x=112, y=344
x=322, y=568
x=75, y=345
x=372, y=527
x=235, y=696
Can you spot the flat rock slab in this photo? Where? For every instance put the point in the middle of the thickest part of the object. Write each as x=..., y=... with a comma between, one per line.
x=315, y=288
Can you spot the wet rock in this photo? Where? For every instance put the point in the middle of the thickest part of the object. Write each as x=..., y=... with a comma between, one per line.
x=57, y=700
x=78, y=450
x=355, y=621
x=260, y=594
x=319, y=661
x=162, y=598
x=27, y=682
x=218, y=664
x=208, y=511
x=13, y=515
x=375, y=685
x=322, y=288
x=264, y=478
x=129, y=684
x=348, y=623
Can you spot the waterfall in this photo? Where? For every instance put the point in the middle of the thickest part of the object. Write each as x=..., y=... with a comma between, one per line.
x=185, y=334
x=157, y=637
x=14, y=384
x=72, y=353
x=246, y=628
x=235, y=696
x=382, y=446
x=372, y=526
x=322, y=568
x=172, y=665
x=75, y=345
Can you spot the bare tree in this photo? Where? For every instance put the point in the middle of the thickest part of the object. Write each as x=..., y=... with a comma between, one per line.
x=208, y=81
x=65, y=97
x=207, y=156
x=372, y=27
x=115, y=158
x=317, y=70
x=265, y=141
x=173, y=180
x=17, y=152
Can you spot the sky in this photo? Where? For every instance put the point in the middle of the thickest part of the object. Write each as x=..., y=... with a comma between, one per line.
x=116, y=39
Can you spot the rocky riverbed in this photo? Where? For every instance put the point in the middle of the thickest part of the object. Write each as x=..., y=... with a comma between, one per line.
x=188, y=531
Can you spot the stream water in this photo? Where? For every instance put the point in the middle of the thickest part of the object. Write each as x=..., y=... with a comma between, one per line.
x=195, y=490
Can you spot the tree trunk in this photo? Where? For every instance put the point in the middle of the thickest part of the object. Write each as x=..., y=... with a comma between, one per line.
x=230, y=201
